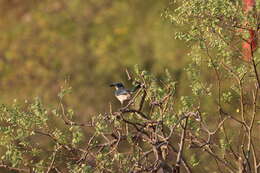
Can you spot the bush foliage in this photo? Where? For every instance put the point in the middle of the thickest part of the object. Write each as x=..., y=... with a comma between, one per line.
x=213, y=129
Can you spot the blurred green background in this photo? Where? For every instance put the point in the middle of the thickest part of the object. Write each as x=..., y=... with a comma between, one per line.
x=88, y=43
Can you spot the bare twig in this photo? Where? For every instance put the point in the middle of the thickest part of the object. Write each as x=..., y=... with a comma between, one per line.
x=181, y=145
x=53, y=160
x=13, y=168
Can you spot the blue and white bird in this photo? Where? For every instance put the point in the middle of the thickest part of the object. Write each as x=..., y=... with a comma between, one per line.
x=123, y=94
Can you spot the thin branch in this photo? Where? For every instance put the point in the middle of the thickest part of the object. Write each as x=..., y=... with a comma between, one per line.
x=142, y=100
x=255, y=70
x=179, y=156
x=250, y=144
x=183, y=160
x=53, y=160
x=71, y=123
x=135, y=111
x=13, y=168
x=128, y=74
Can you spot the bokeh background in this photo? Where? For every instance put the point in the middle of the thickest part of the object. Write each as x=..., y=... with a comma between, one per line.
x=87, y=43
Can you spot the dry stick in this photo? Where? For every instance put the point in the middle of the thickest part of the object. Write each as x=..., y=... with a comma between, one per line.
x=204, y=127
x=166, y=105
x=114, y=143
x=246, y=156
x=69, y=122
x=254, y=158
x=53, y=160
x=142, y=100
x=258, y=165
x=218, y=78
x=135, y=111
x=255, y=71
x=179, y=156
x=183, y=160
x=239, y=81
x=132, y=100
x=87, y=149
x=254, y=112
x=230, y=168
x=238, y=121
x=247, y=133
x=167, y=99
x=136, y=127
x=219, y=101
x=128, y=74
x=207, y=148
x=251, y=128
x=14, y=169
x=174, y=126
x=252, y=56
x=57, y=170
x=241, y=89
x=218, y=165
x=65, y=146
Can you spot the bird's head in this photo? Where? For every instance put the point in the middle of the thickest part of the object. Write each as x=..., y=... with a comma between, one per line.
x=117, y=85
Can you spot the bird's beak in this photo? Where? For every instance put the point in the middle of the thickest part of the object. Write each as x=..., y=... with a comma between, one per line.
x=111, y=85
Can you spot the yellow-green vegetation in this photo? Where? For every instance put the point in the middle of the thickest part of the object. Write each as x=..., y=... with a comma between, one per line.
x=197, y=108
x=87, y=43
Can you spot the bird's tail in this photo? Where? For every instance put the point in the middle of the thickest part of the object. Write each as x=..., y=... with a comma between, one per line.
x=136, y=88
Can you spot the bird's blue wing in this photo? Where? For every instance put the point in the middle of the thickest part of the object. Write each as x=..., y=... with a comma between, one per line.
x=122, y=92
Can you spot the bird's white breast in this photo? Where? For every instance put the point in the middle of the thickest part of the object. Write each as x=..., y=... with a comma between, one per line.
x=124, y=97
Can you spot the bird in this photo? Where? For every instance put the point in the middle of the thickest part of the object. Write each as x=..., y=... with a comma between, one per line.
x=123, y=94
